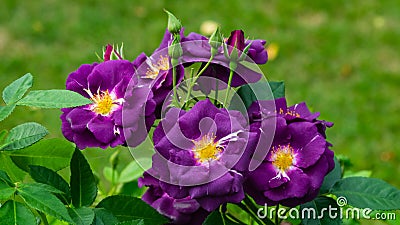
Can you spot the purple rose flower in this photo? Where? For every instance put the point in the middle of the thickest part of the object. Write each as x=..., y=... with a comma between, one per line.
x=180, y=211
x=197, y=49
x=201, y=154
x=298, y=160
x=157, y=70
x=100, y=124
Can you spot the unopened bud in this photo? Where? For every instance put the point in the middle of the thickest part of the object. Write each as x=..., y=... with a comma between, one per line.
x=215, y=41
x=175, y=49
x=174, y=25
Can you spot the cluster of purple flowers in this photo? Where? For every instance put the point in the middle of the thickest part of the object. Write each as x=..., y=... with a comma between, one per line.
x=203, y=153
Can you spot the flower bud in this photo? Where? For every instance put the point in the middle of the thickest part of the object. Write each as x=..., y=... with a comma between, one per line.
x=235, y=48
x=215, y=41
x=112, y=53
x=236, y=41
x=174, y=25
x=175, y=50
x=107, y=53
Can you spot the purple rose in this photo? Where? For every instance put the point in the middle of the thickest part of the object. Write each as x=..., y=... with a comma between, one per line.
x=298, y=160
x=157, y=70
x=201, y=154
x=180, y=211
x=100, y=124
x=197, y=49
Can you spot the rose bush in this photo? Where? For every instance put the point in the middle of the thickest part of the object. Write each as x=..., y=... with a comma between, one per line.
x=216, y=157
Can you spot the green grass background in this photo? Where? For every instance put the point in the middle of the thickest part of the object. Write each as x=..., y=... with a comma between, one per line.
x=341, y=57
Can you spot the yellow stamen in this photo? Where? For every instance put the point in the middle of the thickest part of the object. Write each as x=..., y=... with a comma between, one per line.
x=206, y=149
x=282, y=157
x=103, y=103
x=154, y=69
x=290, y=113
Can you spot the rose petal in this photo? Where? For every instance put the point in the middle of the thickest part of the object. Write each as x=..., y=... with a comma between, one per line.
x=102, y=128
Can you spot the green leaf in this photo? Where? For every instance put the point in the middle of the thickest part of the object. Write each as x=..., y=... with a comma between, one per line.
x=44, y=187
x=277, y=88
x=81, y=216
x=24, y=135
x=54, y=154
x=104, y=217
x=14, y=92
x=361, y=173
x=54, y=221
x=16, y=213
x=132, y=189
x=46, y=176
x=3, y=134
x=216, y=217
x=110, y=174
x=132, y=222
x=7, y=165
x=6, y=179
x=127, y=208
x=331, y=178
x=316, y=212
x=54, y=99
x=250, y=93
x=5, y=111
x=362, y=192
x=83, y=184
x=131, y=172
x=44, y=201
x=5, y=191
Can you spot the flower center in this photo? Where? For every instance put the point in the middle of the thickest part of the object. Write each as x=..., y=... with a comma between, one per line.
x=206, y=149
x=154, y=69
x=282, y=157
x=104, y=103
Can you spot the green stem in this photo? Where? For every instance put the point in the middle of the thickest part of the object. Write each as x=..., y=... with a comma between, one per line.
x=194, y=80
x=232, y=67
x=175, y=98
x=251, y=213
x=216, y=92
x=43, y=218
x=204, y=68
x=189, y=91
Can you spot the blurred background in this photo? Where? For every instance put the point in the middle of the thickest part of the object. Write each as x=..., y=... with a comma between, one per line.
x=341, y=57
